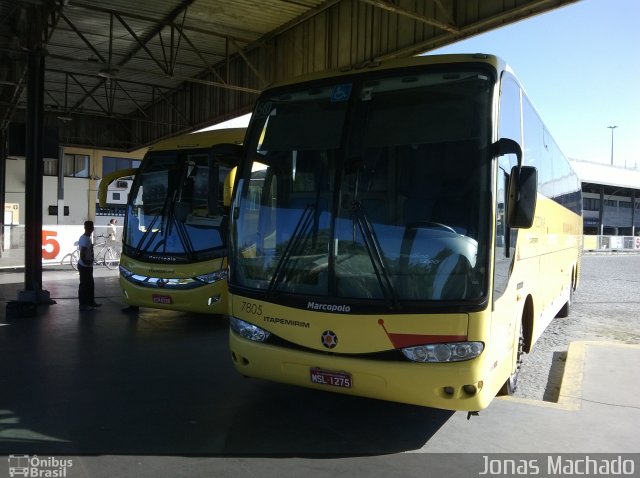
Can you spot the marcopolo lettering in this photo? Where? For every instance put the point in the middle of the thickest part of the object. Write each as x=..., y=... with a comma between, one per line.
x=328, y=307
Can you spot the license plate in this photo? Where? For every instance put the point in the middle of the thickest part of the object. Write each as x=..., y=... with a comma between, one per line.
x=161, y=299
x=335, y=379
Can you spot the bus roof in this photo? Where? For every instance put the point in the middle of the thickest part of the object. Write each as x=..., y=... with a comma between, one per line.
x=204, y=139
x=374, y=65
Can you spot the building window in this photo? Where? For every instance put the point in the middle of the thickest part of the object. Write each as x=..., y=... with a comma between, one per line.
x=610, y=203
x=625, y=204
x=50, y=167
x=111, y=164
x=76, y=165
x=591, y=204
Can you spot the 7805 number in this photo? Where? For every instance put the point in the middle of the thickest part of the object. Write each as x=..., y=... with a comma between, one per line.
x=251, y=308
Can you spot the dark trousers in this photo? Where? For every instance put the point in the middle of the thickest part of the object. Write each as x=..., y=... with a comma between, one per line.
x=86, y=287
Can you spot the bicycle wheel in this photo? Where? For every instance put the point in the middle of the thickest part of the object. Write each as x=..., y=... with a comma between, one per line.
x=75, y=255
x=111, y=259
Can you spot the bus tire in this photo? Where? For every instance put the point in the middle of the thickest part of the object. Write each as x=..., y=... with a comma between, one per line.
x=566, y=308
x=511, y=384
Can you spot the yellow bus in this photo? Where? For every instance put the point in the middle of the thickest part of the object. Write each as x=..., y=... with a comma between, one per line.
x=174, y=242
x=403, y=231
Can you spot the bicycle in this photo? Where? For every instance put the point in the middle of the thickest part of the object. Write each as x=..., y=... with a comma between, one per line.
x=106, y=256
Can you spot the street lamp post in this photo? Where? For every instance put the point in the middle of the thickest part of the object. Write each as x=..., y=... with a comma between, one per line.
x=612, y=128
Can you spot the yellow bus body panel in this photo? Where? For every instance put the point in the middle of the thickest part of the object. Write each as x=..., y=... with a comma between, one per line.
x=203, y=299
x=394, y=380
x=203, y=139
x=420, y=384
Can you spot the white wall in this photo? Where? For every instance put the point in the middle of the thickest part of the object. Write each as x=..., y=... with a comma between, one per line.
x=77, y=195
x=14, y=185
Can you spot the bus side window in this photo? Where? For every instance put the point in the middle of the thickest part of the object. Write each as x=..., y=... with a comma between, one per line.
x=509, y=126
x=502, y=262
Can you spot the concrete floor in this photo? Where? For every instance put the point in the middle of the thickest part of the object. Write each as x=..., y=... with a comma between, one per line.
x=161, y=384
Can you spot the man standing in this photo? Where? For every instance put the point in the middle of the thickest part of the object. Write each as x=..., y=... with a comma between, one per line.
x=112, y=230
x=85, y=268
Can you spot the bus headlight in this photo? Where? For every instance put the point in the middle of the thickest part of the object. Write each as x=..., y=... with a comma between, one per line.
x=435, y=353
x=125, y=272
x=248, y=331
x=213, y=277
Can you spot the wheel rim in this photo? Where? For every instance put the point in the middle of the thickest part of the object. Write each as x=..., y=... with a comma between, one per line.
x=516, y=373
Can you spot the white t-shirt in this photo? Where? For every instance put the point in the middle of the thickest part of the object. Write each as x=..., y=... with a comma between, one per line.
x=112, y=232
x=85, y=241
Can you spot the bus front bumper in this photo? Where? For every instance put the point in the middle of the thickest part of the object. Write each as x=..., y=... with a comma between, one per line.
x=449, y=386
x=206, y=299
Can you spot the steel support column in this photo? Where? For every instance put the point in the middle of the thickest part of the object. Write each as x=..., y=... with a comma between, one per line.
x=601, y=210
x=633, y=212
x=34, y=166
x=3, y=176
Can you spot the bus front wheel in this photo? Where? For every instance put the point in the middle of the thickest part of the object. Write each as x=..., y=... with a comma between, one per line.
x=511, y=384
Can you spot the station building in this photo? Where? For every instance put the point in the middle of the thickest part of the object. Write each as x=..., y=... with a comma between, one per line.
x=611, y=205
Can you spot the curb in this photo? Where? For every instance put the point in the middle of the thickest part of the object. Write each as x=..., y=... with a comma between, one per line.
x=570, y=396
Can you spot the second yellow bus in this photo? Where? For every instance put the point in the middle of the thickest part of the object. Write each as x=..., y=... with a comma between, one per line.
x=174, y=244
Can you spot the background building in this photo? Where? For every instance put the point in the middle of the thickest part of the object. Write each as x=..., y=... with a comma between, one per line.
x=611, y=206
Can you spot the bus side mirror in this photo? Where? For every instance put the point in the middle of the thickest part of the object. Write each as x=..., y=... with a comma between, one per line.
x=229, y=181
x=523, y=190
x=507, y=146
x=229, y=155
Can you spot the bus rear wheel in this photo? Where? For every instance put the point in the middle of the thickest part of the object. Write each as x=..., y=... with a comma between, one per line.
x=566, y=308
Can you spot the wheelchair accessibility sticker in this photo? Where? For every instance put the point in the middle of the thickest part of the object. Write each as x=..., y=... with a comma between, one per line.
x=341, y=93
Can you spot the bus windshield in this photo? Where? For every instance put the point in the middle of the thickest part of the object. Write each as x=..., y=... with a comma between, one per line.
x=175, y=210
x=369, y=189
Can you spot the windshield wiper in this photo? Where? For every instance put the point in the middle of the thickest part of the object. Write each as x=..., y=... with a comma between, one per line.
x=303, y=224
x=183, y=235
x=145, y=235
x=375, y=255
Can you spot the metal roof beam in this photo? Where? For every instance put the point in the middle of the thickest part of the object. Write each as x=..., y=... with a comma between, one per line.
x=202, y=58
x=109, y=94
x=444, y=11
x=132, y=99
x=165, y=22
x=249, y=64
x=168, y=100
x=159, y=25
x=88, y=94
x=173, y=52
x=83, y=38
x=46, y=92
x=168, y=77
x=120, y=80
x=485, y=24
x=385, y=5
x=141, y=44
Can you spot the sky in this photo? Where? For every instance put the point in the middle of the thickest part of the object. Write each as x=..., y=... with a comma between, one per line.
x=580, y=67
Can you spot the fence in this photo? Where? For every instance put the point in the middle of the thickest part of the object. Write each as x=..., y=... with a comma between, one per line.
x=611, y=243
x=58, y=241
